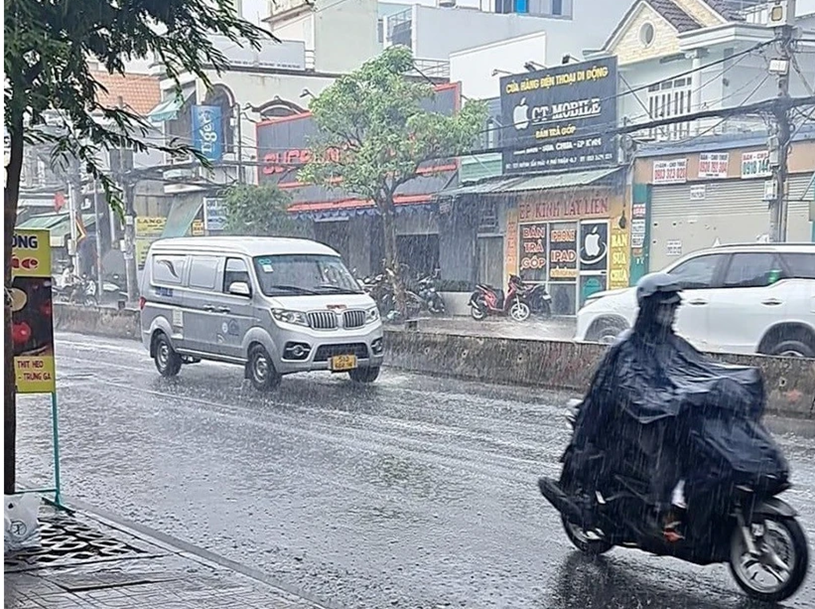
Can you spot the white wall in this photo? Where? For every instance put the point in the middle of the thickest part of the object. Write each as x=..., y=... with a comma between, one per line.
x=345, y=35
x=474, y=67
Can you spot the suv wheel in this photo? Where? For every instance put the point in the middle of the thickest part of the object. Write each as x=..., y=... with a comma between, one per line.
x=792, y=348
x=605, y=330
x=261, y=370
x=168, y=362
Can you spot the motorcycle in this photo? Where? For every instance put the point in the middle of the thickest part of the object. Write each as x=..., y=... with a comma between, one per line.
x=82, y=291
x=428, y=294
x=486, y=300
x=754, y=531
x=538, y=299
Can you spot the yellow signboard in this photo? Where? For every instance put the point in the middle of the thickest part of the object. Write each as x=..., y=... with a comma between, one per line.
x=32, y=331
x=150, y=229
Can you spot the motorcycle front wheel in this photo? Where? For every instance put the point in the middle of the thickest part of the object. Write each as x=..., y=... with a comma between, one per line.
x=586, y=542
x=781, y=565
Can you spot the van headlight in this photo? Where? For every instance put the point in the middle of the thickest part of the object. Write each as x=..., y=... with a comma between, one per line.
x=290, y=317
x=372, y=315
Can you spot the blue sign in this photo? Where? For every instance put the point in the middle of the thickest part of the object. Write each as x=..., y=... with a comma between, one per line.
x=207, y=131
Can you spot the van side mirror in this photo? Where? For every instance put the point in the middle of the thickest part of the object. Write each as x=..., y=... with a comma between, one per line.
x=240, y=288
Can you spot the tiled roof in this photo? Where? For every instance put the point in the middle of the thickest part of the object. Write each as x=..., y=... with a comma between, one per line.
x=730, y=9
x=674, y=15
x=139, y=92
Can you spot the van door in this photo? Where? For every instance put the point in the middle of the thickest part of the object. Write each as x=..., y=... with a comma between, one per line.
x=203, y=312
x=239, y=311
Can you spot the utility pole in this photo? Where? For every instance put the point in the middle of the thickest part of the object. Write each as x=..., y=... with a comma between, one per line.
x=122, y=163
x=782, y=20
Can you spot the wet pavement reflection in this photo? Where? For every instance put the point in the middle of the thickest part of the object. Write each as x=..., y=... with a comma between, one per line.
x=413, y=492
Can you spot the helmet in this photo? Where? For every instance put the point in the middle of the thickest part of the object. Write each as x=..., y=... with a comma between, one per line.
x=661, y=285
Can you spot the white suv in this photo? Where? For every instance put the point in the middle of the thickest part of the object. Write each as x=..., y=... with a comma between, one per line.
x=754, y=298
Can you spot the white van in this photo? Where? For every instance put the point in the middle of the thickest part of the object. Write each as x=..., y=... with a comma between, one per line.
x=275, y=306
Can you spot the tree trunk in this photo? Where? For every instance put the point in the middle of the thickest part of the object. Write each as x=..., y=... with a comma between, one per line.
x=392, y=255
x=11, y=196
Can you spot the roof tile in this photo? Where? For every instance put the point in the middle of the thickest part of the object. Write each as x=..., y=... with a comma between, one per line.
x=139, y=92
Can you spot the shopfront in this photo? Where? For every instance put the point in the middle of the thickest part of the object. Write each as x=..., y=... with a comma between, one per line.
x=575, y=241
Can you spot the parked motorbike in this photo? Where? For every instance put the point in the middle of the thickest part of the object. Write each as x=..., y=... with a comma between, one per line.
x=82, y=291
x=426, y=288
x=538, y=299
x=487, y=300
x=755, y=532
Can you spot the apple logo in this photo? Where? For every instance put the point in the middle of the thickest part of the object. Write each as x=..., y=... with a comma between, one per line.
x=520, y=116
x=592, y=243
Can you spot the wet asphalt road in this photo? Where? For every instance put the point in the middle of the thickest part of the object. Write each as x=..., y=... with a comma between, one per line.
x=414, y=492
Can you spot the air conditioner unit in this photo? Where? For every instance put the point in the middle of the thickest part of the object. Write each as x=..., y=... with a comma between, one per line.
x=781, y=13
x=447, y=3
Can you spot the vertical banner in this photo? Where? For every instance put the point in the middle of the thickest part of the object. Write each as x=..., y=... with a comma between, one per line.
x=148, y=229
x=619, y=268
x=207, y=131
x=638, y=265
x=214, y=215
x=32, y=331
x=511, y=255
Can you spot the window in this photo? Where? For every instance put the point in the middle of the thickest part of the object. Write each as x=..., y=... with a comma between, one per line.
x=800, y=266
x=557, y=7
x=753, y=270
x=168, y=270
x=697, y=273
x=380, y=30
x=236, y=270
x=302, y=274
x=647, y=34
x=203, y=272
x=669, y=99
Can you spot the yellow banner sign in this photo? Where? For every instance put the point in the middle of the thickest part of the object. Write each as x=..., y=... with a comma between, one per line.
x=32, y=331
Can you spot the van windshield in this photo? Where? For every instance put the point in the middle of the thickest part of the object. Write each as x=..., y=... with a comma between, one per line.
x=299, y=274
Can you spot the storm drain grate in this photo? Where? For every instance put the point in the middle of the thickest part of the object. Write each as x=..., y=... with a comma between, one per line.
x=66, y=541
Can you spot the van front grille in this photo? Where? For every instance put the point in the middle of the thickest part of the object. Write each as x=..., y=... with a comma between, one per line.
x=325, y=352
x=322, y=320
x=353, y=319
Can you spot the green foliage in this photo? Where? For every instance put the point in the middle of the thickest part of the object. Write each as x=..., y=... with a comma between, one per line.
x=260, y=211
x=374, y=133
x=48, y=44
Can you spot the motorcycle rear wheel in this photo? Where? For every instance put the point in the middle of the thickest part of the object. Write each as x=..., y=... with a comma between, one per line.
x=477, y=312
x=583, y=541
x=775, y=527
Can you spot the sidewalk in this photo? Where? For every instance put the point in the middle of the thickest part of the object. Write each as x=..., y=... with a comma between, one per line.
x=555, y=328
x=86, y=562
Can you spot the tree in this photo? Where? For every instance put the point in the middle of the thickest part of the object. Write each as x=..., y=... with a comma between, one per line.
x=260, y=211
x=374, y=135
x=48, y=44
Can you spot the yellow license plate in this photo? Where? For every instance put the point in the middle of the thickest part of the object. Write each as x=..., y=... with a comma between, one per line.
x=343, y=362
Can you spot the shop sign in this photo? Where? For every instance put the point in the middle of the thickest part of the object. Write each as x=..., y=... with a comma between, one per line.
x=563, y=252
x=214, y=215
x=713, y=164
x=620, y=254
x=32, y=330
x=511, y=255
x=208, y=132
x=566, y=205
x=674, y=171
x=698, y=192
x=674, y=247
x=560, y=118
x=533, y=247
x=593, y=246
x=755, y=165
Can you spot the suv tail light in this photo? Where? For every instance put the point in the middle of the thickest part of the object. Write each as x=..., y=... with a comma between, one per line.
x=142, y=302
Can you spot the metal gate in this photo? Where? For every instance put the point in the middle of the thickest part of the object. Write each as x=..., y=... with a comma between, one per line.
x=732, y=211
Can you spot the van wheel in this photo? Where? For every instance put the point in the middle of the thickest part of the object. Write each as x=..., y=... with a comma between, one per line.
x=168, y=362
x=364, y=375
x=261, y=369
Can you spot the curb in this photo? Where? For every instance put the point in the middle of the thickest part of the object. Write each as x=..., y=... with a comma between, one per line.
x=190, y=551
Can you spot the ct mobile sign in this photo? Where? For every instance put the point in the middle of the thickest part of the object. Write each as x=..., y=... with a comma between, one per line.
x=560, y=118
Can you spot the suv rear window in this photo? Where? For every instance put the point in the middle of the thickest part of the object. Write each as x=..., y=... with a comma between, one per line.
x=800, y=265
